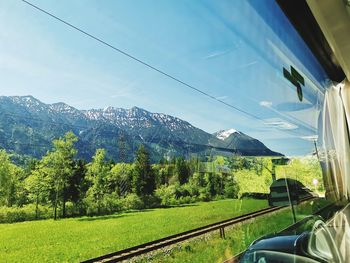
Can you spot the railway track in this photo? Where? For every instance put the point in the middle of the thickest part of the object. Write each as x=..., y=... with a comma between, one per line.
x=131, y=252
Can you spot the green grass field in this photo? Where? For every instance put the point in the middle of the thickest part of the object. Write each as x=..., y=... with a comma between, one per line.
x=76, y=239
x=238, y=238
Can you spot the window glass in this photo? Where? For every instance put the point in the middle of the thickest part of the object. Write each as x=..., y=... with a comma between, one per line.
x=131, y=121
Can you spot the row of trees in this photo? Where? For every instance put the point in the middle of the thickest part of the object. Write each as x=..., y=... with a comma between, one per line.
x=67, y=186
x=59, y=185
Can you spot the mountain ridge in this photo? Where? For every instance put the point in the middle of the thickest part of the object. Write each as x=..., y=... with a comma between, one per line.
x=26, y=120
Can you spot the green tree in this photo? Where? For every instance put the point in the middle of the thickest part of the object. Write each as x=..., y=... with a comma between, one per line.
x=58, y=166
x=97, y=173
x=231, y=189
x=239, y=162
x=160, y=172
x=144, y=181
x=193, y=164
x=77, y=184
x=163, y=161
x=120, y=179
x=220, y=169
x=182, y=170
x=5, y=177
x=36, y=184
x=9, y=180
x=212, y=184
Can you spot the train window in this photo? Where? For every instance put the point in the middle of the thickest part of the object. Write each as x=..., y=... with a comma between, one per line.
x=164, y=131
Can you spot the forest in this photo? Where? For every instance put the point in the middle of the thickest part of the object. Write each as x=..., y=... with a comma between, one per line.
x=59, y=185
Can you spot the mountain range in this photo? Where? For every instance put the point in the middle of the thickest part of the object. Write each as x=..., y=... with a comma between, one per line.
x=28, y=126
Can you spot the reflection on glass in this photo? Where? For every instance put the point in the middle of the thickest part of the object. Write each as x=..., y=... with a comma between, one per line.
x=200, y=112
x=275, y=257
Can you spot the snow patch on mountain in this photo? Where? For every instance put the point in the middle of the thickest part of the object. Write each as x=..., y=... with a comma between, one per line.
x=222, y=135
x=161, y=132
x=28, y=102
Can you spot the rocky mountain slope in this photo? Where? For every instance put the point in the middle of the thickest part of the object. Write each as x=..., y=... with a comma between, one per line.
x=27, y=126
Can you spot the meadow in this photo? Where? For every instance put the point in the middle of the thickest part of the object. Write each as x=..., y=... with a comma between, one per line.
x=113, y=206
x=76, y=239
x=238, y=237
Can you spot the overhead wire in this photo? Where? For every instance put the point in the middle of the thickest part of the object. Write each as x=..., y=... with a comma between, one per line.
x=141, y=61
x=105, y=43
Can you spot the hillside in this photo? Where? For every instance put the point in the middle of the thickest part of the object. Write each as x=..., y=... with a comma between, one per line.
x=27, y=127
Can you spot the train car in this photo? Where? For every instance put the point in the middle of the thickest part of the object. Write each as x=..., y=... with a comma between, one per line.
x=284, y=190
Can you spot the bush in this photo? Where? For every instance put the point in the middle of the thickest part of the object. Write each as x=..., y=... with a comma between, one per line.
x=70, y=209
x=177, y=194
x=181, y=192
x=111, y=204
x=231, y=190
x=192, y=189
x=25, y=213
x=44, y=212
x=13, y=214
x=166, y=194
x=186, y=200
x=132, y=201
x=76, y=209
x=204, y=195
x=91, y=206
x=151, y=201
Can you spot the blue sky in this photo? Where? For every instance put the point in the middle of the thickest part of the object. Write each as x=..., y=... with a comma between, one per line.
x=233, y=50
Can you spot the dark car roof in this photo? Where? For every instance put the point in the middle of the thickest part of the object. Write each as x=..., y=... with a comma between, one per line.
x=282, y=243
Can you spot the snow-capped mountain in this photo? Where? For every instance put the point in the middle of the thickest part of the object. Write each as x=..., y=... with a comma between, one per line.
x=242, y=143
x=223, y=134
x=28, y=126
x=136, y=117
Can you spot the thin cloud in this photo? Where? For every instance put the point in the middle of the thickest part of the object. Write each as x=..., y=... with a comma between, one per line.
x=222, y=51
x=218, y=54
x=281, y=124
x=247, y=65
x=265, y=103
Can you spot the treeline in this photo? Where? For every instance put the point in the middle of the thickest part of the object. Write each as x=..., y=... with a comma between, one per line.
x=59, y=185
